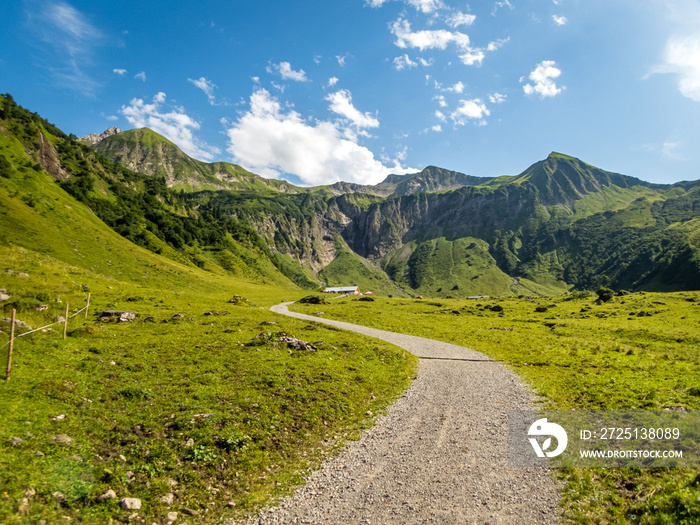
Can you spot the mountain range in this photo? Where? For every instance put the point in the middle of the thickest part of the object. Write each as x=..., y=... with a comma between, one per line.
x=559, y=225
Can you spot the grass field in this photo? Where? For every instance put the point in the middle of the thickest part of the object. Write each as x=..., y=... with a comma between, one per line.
x=639, y=351
x=195, y=398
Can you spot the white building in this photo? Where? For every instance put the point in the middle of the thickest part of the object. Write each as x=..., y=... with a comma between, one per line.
x=343, y=289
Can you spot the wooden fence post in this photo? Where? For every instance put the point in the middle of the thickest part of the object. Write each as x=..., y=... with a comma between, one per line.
x=65, y=324
x=12, y=338
x=87, y=306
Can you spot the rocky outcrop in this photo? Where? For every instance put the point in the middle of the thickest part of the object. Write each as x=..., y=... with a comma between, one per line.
x=94, y=138
x=49, y=161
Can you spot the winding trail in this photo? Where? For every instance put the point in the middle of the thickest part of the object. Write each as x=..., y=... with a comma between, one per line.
x=439, y=454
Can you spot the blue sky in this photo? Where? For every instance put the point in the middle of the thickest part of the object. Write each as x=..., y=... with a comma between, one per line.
x=316, y=91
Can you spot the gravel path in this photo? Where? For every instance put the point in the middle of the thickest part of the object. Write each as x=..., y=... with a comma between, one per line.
x=439, y=455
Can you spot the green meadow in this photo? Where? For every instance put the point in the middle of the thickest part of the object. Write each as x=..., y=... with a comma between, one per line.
x=195, y=398
x=636, y=351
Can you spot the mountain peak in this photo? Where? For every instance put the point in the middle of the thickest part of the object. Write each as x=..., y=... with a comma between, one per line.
x=94, y=138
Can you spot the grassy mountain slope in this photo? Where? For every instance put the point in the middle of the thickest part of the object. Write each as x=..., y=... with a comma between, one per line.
x=195, y=398
x=348, y=269
x=143, y=209
x=145, y=151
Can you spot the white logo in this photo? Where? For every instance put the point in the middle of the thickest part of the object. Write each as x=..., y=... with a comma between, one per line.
x=542, y=428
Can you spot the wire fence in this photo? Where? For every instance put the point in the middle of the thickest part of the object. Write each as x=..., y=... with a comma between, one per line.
x=13, y=337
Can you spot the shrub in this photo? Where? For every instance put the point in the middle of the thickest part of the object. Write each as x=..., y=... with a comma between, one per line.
x=605, y=294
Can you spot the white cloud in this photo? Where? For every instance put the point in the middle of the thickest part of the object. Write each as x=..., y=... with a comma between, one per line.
x=497, y=98
x=472, y=57
x=426, y=39
x=68, y=41
x=543, y=80
x=119, y=72
x=424, y=6
x=497, y=44
x=207, y=86
x=456, y=88
x=440, y=39
x=332, y=81
x=341, y=60
x=500, y=5
x=141, y=76
x=270, y=141
x=473, y=109
x=341, y=103
x=682, y=57
x=559, y=20
x=174, y=125
x=284, y=69
x=475, y=55
x=437, y=128
x=460, y=19
x=441, y=100
x=404, y=62
x=669, y=149
x=439, y=114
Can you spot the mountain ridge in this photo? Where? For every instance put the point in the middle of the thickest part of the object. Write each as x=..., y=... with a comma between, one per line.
x=560, y=224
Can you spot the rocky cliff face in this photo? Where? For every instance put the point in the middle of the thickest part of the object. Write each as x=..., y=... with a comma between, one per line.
x=94, y=138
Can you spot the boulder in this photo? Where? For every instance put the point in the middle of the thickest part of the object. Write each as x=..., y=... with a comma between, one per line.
x=130, y=503
x=312, y=299
x=18, y=323
x=296, y=344
x=121, y=316
x=110, y=494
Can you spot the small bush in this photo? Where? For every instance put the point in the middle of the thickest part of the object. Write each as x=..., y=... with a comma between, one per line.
x=605, y=294
x=312, y=299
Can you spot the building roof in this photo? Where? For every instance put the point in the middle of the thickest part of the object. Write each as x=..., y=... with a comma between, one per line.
x=341, y=289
